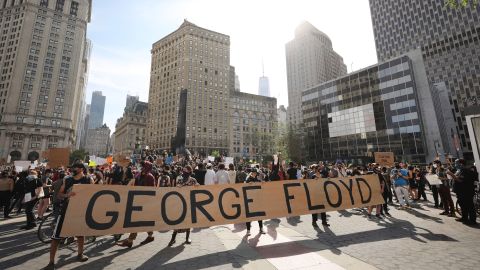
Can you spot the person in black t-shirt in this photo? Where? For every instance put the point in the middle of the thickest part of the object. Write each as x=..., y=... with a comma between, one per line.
x=199, y=174
x=292, y=171
x=64, y=194
x=33, y=185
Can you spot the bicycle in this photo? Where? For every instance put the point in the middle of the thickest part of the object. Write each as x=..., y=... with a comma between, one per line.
x=46, y=227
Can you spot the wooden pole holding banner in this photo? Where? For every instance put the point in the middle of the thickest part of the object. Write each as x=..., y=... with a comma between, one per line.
x=102, y=210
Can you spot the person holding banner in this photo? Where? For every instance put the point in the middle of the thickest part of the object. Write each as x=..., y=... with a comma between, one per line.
x=444, y=191
x=185, y=180
x=145, y=179
x=65, y=192
x=253, y=178
x=323, y=215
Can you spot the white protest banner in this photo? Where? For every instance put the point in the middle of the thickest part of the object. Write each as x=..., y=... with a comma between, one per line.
x=103, y=210
x=211, y=159
x=228, y=160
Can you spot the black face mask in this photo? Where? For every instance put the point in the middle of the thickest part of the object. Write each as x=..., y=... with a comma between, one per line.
x=76, y=172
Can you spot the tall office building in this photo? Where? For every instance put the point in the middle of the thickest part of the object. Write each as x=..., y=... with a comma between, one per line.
x=198, y=60
x=131, y=100
x=310, y=60
x=42, y=45
x=450, y=45
x=82, y=86
x=97, y=110
x=264, y=86
x=387, y=107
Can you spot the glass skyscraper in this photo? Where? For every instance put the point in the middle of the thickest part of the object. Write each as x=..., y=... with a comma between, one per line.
x=97, y=109
x=376, y=109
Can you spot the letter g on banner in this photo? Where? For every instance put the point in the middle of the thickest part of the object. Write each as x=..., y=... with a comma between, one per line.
x=89, y=214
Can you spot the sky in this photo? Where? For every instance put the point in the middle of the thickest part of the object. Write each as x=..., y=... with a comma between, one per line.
x=123, y=31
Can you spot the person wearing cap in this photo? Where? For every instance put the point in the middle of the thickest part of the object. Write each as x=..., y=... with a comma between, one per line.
x=464, y=188
x=64, y=194
x=253, y=178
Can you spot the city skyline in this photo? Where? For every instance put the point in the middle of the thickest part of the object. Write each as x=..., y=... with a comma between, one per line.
x=121, y=53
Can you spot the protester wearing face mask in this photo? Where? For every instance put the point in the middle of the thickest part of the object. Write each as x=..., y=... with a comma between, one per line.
x=464, y=188
x=63, y=195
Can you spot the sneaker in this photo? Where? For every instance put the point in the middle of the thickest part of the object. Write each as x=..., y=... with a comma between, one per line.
x=388, y=214
x=248, y=232
x=378, y=216
x=50, y=266
x=262, y=231
x=443, y=213
x=314, y=224
x=188, y=241
x=147, y=240
x=82, y=258
x=171, y=242
x=125, y=243
x=325, y=224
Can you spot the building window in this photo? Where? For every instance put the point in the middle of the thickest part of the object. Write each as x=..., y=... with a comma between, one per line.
x=44, y=3
x=74, y=8
x=59, y=5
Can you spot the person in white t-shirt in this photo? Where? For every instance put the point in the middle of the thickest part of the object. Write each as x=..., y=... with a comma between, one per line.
x=221, y=177
x=210, y=175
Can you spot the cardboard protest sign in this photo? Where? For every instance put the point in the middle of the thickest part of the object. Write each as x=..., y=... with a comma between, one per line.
x=385, y=158
x=58, y=157
x=102, y=210
x=433, y=179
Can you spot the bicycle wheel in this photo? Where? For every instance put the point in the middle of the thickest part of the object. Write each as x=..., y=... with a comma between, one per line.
x=45, y=230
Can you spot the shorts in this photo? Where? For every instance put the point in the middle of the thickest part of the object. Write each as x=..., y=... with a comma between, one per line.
x=59, y=223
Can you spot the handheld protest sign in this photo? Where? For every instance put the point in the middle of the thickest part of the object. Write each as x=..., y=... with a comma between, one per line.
x=101, y=210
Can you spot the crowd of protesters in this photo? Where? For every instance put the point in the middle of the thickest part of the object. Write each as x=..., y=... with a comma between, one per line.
x=46, y=188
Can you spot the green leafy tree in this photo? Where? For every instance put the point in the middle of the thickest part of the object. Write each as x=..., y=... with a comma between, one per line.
x=461, y=3
x=215, y=153
x=78, y=155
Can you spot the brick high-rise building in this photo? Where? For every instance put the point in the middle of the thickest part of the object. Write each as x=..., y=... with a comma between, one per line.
x=198, y=60
x=311, y=60
x=42, y=46
x=450, y=45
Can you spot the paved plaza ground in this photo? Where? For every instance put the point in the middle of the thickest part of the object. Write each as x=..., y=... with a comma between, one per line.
x=418, y=238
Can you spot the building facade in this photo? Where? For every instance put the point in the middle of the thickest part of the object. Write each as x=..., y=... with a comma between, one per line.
x=253, y=126
x=130, y=129
x=98, y=141
x=97, y=110
x=82, y=88
x=449, y=39
x=310, y=60
x=387, y=107
x=41, y=51
x=198, y=60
